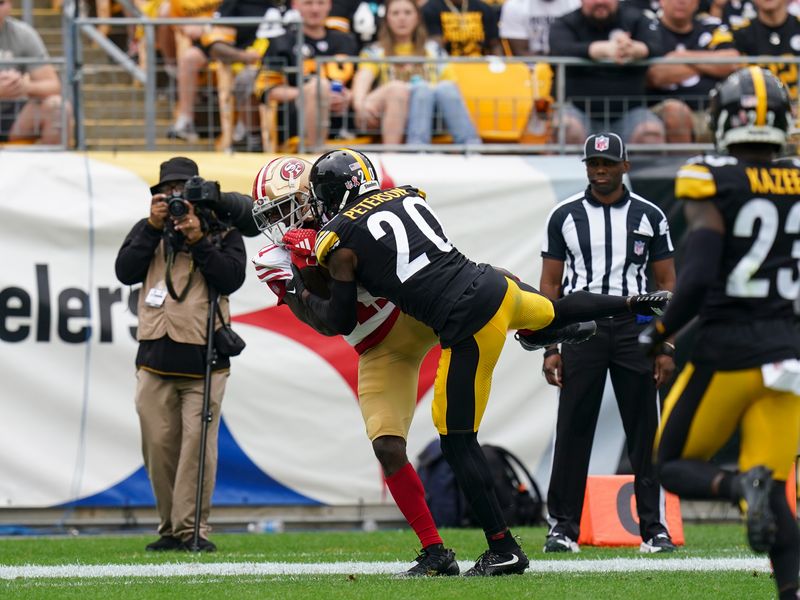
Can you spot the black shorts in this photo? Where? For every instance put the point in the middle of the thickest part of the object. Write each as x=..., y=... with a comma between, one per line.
x=476, y=306
x=734, y=345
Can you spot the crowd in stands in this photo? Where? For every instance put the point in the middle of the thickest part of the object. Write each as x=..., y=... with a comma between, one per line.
x=393, y=103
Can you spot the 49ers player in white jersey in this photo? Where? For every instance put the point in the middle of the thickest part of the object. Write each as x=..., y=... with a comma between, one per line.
x=390, y=345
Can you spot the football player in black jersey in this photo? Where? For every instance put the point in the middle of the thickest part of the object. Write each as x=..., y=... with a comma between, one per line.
x=392, y=243
x=741, y=278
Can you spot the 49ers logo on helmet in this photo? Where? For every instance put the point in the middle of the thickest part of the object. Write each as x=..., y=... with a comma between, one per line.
x=292, y=169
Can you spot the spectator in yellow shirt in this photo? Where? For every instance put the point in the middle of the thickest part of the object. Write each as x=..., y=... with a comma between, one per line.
x=401, y=97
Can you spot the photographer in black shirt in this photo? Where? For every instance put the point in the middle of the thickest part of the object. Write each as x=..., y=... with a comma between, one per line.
x=184, y=255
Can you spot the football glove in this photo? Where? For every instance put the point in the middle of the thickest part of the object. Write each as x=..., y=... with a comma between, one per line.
x=574, y=333
x=300, y=242
x=653, y=303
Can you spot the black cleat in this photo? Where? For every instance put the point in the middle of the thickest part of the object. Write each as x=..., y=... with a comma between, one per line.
x=432, y=561
x=574, y=333
x=658, y=543
x=164, y=544
x=754, y=487
x=559, y=542
x=499, y=563
x=203, y=545
x=652, y=304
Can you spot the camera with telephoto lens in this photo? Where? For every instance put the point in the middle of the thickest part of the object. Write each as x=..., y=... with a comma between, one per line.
x=197, y=191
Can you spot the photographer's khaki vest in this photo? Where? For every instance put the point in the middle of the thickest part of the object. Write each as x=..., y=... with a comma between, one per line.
x=186, y=321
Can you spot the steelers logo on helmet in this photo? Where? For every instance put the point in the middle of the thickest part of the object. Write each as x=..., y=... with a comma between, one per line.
x=338, y=177
x=751, y=106
x=281, y=197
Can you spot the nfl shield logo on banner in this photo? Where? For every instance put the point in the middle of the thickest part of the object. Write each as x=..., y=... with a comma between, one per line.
x=601, y=143
x=638, y=248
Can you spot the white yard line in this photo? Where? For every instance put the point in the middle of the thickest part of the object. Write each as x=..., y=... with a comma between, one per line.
x=618, y=565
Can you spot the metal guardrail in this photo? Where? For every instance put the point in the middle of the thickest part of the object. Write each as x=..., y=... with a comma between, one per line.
x=88, y=25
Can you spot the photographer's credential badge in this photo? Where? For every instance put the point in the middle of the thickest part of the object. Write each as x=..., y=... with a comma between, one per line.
x=156, y=295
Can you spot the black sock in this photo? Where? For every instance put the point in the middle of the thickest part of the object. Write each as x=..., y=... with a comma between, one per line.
x=690, y=479
x=502, y=542
x=726, y=488
x=464, y=455
x=585, y=306
x=785, y=552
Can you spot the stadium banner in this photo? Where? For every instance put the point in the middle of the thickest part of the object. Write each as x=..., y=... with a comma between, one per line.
x=291, y=430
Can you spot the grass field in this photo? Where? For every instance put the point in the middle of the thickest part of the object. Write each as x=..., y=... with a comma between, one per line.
x=715, y=564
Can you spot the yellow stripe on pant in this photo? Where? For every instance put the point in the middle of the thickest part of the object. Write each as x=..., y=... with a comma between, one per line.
x=464, y=376
x=769, y=419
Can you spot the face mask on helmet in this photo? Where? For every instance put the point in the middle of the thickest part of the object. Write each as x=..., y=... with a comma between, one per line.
x=751, y=106
x=281, y=197
x=338, y=177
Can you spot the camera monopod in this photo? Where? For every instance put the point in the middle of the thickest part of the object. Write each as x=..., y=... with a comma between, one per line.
x=205, y=415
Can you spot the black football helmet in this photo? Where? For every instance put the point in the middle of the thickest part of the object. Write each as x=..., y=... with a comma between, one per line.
x=338, y=177
x=751, y=106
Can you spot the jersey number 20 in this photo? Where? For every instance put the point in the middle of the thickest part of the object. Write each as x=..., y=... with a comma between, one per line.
x=406, y=267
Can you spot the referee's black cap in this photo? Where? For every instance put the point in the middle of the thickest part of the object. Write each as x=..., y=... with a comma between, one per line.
x=605, y=145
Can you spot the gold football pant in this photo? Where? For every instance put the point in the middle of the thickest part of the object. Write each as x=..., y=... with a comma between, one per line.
x=705, y=407
x=388, y=374
x=464, y=376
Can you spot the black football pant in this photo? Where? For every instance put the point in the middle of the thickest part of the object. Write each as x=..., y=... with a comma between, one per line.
x=613, y=349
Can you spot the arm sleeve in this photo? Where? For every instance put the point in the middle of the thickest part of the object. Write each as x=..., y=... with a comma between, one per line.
x=647, y=32
x=306, y=315
x=703, y=253
x=489, y=23
x=32, y=45
x=433, y=22
x=224, y=266
x=136, y=252
x=661, y=246
x=338, y=313
x=554, y=245
x=565, y=42
x=512, y=21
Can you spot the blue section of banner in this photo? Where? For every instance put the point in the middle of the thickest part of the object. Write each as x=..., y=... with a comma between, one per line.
x=239, y=482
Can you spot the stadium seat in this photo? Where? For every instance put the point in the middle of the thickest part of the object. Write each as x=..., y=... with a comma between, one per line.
x=499, y=97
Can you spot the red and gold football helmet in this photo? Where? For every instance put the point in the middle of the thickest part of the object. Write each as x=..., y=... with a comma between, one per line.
x=281, y=196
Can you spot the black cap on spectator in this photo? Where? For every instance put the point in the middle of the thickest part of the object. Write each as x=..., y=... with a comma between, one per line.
x=605, y=145
x=178, y=168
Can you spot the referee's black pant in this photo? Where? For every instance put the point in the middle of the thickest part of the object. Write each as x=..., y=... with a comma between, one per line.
x=613, y=349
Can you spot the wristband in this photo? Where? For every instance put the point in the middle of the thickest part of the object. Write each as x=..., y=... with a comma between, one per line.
x=667, y=349
x=551, y=351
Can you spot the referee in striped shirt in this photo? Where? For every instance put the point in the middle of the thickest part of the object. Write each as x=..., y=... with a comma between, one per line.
x=602, y=240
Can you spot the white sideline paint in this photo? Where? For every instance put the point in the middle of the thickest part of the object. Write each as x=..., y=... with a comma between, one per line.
x=617, y=565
